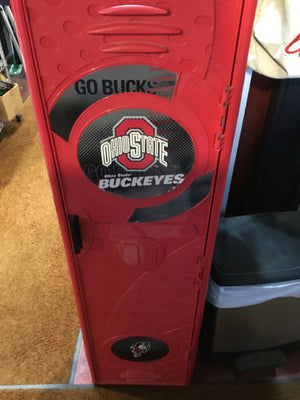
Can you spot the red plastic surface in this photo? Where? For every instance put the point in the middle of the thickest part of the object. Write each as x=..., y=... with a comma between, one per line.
x=140, y=278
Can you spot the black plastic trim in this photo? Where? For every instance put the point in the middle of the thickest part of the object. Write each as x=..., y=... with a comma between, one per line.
x=75, y=233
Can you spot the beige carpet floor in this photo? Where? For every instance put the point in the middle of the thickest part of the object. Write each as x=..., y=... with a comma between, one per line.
x=38, y=319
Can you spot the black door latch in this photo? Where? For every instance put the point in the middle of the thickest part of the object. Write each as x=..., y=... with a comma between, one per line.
x=75, y=233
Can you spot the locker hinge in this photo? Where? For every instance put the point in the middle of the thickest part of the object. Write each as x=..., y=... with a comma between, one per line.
x=75, y=233
x=225, y=101
x=199, y=273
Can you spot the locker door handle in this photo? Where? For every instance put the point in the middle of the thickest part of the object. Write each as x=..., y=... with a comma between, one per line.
x=75, y=233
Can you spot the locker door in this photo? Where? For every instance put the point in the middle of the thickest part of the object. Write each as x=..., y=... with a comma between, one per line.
x=132, y=101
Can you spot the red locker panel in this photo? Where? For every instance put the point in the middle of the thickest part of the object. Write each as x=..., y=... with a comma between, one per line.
x=136, y=104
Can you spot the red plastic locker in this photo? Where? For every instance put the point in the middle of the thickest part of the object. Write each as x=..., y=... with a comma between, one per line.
x=136, y=103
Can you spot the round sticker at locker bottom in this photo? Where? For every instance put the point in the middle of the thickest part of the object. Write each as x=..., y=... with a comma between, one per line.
x=140, y=349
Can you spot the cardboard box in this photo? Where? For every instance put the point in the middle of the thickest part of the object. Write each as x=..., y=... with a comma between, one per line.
x=11, y=103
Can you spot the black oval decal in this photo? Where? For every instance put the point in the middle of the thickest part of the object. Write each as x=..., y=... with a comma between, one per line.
x=140, y=349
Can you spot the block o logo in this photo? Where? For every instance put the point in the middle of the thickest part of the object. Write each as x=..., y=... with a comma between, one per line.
x=135, y=145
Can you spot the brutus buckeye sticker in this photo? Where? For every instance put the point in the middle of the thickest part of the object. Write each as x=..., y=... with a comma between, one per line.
x=136, y=153
x=140, y=349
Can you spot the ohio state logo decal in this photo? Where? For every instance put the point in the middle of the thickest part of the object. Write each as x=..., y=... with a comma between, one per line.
x=140, y=349
x=135, y=145
x=135, y=153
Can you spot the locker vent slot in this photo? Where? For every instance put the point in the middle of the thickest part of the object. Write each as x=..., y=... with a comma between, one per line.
x=134, y=47
x=134, y=28
x=134, y=10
